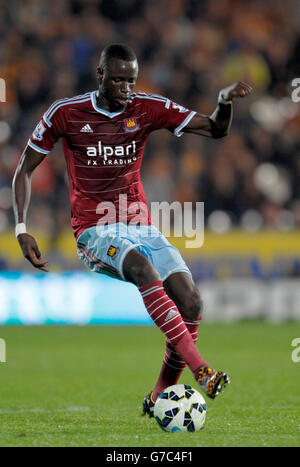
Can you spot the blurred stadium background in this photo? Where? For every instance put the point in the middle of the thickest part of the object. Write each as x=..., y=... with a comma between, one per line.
x=249, y=265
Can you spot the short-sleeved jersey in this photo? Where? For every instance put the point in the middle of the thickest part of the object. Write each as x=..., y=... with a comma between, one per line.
x=104, y=151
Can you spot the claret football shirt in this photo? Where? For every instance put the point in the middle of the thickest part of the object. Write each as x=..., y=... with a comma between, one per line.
x=104, y=151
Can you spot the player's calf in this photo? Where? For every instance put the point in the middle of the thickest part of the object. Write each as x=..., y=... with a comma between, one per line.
x=190, y=305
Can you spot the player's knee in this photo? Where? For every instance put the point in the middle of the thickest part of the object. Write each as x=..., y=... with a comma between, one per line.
x=192, y=305
x=139, y=270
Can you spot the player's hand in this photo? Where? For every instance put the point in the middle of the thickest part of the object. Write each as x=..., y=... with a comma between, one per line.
x=238, y=89
x=31, y=251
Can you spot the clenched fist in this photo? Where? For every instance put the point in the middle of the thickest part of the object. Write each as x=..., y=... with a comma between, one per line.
x=238, y=89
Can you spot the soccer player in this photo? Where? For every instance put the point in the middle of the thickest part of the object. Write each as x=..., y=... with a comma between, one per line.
x=104, y=134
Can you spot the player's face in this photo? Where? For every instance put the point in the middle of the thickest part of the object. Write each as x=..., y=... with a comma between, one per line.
x=117, y=80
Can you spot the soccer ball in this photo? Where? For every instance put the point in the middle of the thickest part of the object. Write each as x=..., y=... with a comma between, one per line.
x=180, y=408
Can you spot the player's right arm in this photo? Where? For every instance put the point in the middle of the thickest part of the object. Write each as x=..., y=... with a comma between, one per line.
x=40, y=143
x=21, y=185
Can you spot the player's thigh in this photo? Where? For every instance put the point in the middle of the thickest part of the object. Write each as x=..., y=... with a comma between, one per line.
x=138, y=269
x=181, y=288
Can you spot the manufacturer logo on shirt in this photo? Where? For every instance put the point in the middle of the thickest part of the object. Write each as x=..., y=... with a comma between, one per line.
x=86, y=129
x=130, y=124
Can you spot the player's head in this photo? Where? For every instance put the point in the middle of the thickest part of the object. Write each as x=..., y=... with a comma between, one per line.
x=117, y=74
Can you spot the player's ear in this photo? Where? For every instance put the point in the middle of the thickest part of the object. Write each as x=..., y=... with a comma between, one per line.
x=99, y=74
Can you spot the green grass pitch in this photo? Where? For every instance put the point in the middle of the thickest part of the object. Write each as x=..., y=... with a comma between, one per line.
x=84, y=385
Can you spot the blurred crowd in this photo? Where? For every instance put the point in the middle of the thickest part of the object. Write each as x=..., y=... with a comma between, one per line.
x=187, y=50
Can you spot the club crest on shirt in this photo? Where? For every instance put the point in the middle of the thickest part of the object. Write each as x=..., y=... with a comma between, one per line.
x=113, y=251
x=130, y=124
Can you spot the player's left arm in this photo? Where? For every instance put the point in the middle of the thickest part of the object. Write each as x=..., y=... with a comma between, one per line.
x=218, y=123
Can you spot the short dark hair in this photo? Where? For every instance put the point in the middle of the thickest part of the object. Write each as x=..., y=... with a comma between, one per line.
x=120, y=51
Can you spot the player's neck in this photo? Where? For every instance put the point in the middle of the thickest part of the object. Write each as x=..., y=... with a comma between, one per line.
x=103, y=103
